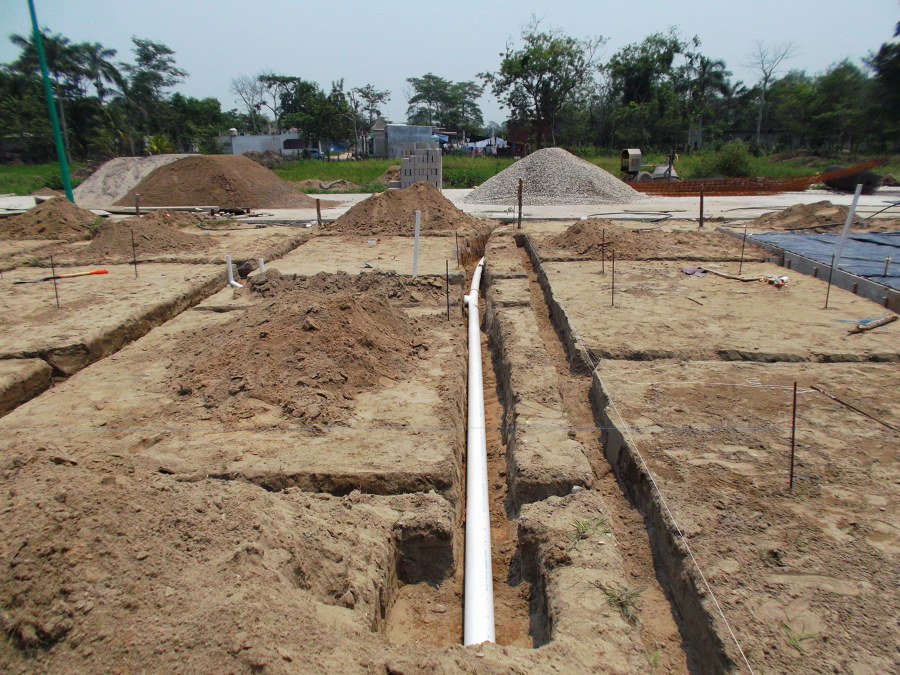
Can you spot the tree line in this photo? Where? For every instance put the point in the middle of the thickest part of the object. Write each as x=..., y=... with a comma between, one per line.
x=658, y=93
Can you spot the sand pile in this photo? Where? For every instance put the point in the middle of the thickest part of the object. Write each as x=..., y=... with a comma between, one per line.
x=590, y=238
x=114, y=179
x=802, y=215
x=394, y=211
x=554, y=176
x=56, y=218
x=113, y=240
x=307, y=348
x=227, y=181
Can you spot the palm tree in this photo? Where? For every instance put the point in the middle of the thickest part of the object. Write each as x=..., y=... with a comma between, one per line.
x=706, y=79
x=94, y=59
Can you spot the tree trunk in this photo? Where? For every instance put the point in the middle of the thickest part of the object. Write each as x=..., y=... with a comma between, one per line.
x=759, y=117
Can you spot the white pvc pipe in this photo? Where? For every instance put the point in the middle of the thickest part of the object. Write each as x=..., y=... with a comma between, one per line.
x=416, y=245
x=231, y=281
x=478, y=589
x=261, y=265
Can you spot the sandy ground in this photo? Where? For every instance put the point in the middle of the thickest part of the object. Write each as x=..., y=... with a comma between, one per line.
x=152, y=522
x=97, y=313
x=806, y=577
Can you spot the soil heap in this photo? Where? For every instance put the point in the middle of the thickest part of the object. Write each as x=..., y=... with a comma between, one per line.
x=56, y=218
x=554, y=176
x=113, y=179
x=590, y=238
x=308, y=347
x=394, y=211
x=802, y=215
x=113, y=240
x=226, y=181
x=392, y=173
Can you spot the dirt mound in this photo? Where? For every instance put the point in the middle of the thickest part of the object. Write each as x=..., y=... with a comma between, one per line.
x=269, y=159
x=176, y=218
x=554, y=176
x=308, y=347
x=227, y=181
x=113, y=180
x=56, y=218
x=590, y=238
x=392, y=173
x=113, y=240
x=48, y=192
x=802, y=215
x=394, y=211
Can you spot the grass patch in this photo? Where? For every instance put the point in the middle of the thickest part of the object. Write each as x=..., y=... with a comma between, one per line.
x=583, y=529
x=796, y=638
x=25, y=179
x=469, y=172
x=624, y=600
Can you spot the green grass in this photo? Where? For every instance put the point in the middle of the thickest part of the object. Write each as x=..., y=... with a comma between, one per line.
x=23, y=180
x=466, y=172
x=624, y=600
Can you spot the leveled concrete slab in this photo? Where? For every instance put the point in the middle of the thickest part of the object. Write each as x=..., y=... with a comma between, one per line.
x=21, y=380
x=660, y=312
x=714, y=439
x=405, y=436
x=98, y=313
x=355, y=255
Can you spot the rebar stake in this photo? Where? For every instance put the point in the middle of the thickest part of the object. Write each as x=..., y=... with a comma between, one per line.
x=137, y=205
x=133, y=254
x=701, y=208
x=743, y=244
x=830, y=273
x=793, y=438
x=613, y=300
x=55, y=289
x=447, y=287
x=318, y=213
x=521, y=182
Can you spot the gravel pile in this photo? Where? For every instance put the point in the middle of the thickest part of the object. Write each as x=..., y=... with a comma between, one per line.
x=554, y=176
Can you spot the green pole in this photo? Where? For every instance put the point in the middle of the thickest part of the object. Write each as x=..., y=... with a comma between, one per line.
x=51, y=106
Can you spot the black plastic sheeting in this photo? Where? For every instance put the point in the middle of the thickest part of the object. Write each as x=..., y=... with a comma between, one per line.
x=864, y=254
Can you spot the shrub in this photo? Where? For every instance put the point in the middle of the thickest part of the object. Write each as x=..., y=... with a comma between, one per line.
x=733, y=161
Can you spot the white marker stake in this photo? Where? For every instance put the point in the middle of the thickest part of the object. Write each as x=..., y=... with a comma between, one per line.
x=416, y=245
x=231, y=281
x=850, y=214
x=261, y=265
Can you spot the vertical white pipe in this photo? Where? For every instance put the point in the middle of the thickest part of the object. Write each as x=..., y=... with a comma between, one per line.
x=261, y=265
x=230, y=272
x=850, y=214
x=478, y=591
x=416, y=245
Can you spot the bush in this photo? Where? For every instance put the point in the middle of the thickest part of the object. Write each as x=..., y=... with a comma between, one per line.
x=732, y=161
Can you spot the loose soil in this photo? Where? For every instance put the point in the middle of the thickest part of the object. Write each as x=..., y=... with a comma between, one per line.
x=392, y=173
x=113, y=240
x=226, y=181
x=594, y=237
x=822, y=213
x=309, y=348
x=113, y=179
x=56, y=218
x=394, y=212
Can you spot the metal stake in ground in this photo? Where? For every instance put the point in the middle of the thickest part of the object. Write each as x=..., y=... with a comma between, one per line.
x=743, y=244
x=447, y=288
x=318, y=213
x=793, y=437
x=830, y=273
x=133, y=254
x=457, y=248
x=55, y=289
x=613, y=299
x=603, y=253
x=701, y=208
x=521, y=182
x=137, y=205
x=416, y=245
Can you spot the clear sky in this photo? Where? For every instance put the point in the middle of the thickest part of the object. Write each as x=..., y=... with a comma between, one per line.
x=383, y=42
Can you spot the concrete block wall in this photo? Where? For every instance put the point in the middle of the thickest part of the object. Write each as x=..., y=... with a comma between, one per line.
x=421, y=162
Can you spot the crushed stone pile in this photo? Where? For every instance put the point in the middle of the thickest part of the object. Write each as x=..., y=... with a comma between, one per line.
x=112, y=239
x=590, y=238
x=56, y=218
x=554, y=176
x=394, y=211
x=227, y=181
x=113, y=179
x=308, y=347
